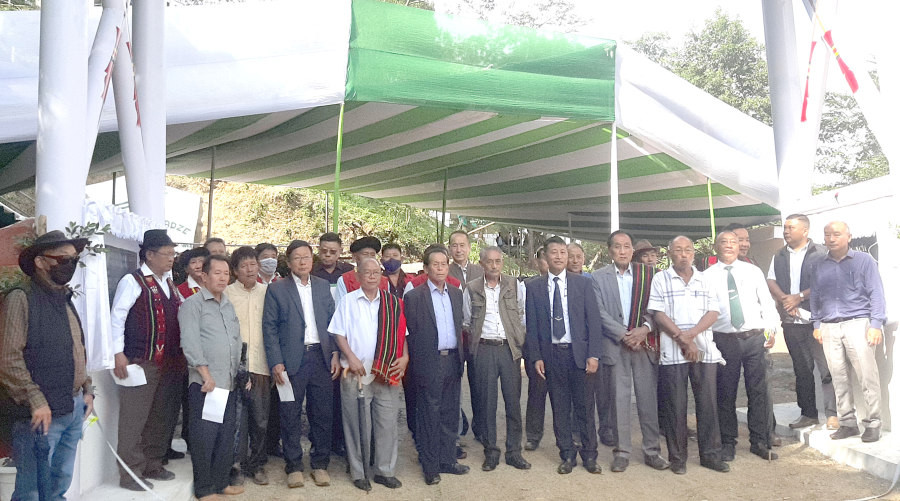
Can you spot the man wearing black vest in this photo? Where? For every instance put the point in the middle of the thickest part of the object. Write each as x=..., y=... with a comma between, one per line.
x=146, y=338
x=44, y=386
x=789, y=279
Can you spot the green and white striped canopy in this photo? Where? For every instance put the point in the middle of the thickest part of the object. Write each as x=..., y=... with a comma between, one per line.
x=517, y=123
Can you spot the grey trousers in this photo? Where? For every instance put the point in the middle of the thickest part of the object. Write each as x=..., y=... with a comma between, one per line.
x=490, y=363
x=636, y=371
x=382, y=410
x=847, y=348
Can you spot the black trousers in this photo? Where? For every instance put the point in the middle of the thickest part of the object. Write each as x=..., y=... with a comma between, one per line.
x=337, y=420
x=254, y=424
x=804, y=350
x=273, y=431
x=673, y=397
x=409, y=399
x=751, y=354
x=492, y=363
x=601, y=401
x=437, y=414
x=535, y=408
x=566, y=385
x=475, y=397
x=312, y=382
x=211, y=445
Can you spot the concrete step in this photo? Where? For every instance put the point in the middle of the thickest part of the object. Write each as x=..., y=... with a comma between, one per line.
x=181, y=488
x=881, y=458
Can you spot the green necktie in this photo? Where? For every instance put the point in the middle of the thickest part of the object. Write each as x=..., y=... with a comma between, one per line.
x=734, y=301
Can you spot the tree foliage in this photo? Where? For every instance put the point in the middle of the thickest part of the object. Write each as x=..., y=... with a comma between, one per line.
x=20, y=5
x=557, y=14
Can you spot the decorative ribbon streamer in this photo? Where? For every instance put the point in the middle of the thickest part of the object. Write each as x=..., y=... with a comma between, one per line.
x=812, y=49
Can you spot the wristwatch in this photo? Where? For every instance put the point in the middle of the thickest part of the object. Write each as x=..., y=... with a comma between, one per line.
x=802, y=297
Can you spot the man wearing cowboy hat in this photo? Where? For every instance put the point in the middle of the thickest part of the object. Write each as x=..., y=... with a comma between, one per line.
x=646, y=253
x=45, y=391
x=145, y=333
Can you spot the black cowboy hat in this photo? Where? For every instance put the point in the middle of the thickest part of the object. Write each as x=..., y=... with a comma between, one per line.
x=365, y=243
x=50, y=240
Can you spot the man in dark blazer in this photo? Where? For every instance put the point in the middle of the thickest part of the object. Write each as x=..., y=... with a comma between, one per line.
x=563, y=339
x=301, y=353
x=631, y=352
x=434, y=324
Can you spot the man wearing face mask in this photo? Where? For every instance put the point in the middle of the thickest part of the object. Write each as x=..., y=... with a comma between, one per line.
x=392, y=260
x=267, y=254
x=192, y=261
x=45, y=391
x=145, y=332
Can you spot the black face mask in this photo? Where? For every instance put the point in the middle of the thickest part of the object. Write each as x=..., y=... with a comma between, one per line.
x=63, y=271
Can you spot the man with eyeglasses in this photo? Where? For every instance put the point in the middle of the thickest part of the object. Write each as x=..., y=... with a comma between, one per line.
x=145, y=332
x=301, y=353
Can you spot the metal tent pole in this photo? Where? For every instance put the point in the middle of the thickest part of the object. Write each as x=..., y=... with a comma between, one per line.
x=212, y=188
x=443, y=208
x=336, y=212
x=712, y=213
x=613, y=182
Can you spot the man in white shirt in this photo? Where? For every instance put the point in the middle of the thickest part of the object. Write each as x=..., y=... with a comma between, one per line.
x=684, y=310
x=743, y=331
x=494, y=317
x=358, y=330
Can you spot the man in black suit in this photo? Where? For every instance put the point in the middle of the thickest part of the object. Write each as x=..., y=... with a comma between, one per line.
x=296, y=315
x=563, y=336
x=434, y=324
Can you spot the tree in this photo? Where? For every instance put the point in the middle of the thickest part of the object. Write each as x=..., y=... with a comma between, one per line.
x=20, y=5
x=557, y=14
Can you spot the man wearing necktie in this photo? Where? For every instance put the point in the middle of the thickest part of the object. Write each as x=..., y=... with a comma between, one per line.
x=563, y=331
x=743, y=331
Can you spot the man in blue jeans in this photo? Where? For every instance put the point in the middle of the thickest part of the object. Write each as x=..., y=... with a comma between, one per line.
x=45, y=391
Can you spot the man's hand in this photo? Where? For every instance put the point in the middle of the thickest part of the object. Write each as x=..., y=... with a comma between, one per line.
x=398, y=368
x=817, y=334
x=276, y=373
x=355, y=365
x=770, y=342
x=539, y=368
x=591, y=365
x=690, y=350
x=209, y=385
x=121, y=370
x=790, y=302
x=41, y=418
x=88, y=406
x=335, y=366
x=874, y=337
x=635, y=338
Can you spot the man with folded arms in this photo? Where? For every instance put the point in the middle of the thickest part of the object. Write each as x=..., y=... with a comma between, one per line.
x=848, y=311
x=494, y=316
x=684, y=309
x=369, y=328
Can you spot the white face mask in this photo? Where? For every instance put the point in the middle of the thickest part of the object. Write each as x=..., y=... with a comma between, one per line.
x=268, y=265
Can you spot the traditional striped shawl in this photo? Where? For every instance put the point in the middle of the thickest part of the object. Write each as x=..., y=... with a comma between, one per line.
x=640, y=296
x=391, y=335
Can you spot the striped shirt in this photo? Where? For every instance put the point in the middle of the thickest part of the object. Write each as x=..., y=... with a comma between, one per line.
x=684, y=303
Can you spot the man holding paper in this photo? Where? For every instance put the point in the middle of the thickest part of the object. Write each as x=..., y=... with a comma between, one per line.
x=211, y=339
x=303, y=360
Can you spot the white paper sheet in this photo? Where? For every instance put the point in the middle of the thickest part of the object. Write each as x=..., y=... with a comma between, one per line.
x=285, y=391
x=214, y=405
x=136, y=376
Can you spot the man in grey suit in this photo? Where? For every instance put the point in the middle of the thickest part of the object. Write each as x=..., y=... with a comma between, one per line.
x=631, y=354
x=300, y=352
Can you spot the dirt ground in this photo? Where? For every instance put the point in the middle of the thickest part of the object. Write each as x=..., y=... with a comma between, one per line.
x=799, y=474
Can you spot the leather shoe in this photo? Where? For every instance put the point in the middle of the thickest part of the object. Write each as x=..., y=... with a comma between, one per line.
x=173, y=454
x=260, y=478
x=845, y=432
x=454, y=469
x=803, y=422
x=592, y=467
x=531, y=445
x=871, y=435
x=565, y=467
x=607, y=437
x=619, y=464
x=715, y=465
x=518, y=462
x=131, y=485
x=233, y=490
x=727, y=453
x=656, y=462
x=460, y=453
x=490, y=463
x=295, y=479
x=678, y=468
x=432, y=478
x=363, y=484
x=160, y=474
x=763, y=452
x=389, y=482
x=320, y=478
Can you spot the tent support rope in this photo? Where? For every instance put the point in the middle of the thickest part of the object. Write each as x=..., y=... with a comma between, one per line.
x=336, y=210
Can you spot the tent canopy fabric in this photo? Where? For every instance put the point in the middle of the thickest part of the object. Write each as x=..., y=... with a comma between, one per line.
x=517, y=121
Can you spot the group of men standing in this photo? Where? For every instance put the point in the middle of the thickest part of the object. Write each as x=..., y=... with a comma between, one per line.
x=343, y=340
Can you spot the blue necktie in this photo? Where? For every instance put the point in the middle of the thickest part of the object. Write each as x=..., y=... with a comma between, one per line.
x=558, y=322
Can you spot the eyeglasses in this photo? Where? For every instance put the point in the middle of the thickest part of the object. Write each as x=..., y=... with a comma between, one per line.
x=302, y=258
x=63, y=260
x=167, y=255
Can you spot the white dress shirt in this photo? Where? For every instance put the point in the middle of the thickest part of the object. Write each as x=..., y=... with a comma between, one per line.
x=311, y=335
x=626, y=286
x=356, y=318
x=757, y=304
x=551, y=284
x=127, y=293
x=492, y=327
